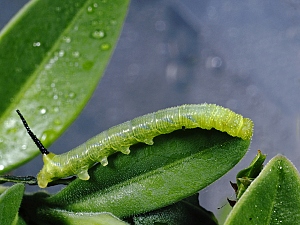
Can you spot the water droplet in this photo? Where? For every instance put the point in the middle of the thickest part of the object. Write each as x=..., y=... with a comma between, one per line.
x=24, y=147
x=90, y=9
x=53, y=60
x=61, y=53
x=36, y=44
x=75, y=54
x=48, y=66
x=72, y=95
x=52, y=85
x=10, y=123
x=105, y=46
x=48, y=134
x=42, y=110
x=56, y=109
x=55, y=97
x=67, y=39
x=98, y=34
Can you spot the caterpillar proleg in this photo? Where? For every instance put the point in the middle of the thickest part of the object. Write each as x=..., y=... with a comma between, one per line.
x=141, y=129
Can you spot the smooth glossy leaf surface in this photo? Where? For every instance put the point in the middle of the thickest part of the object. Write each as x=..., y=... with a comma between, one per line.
x=64, y=217
x=150, y=177
x=272, y=198
x=187, y=211
x=10, y=201
x=53, y=54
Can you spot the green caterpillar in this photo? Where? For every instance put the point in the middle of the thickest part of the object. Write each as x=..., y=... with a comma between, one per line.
x=141, y=129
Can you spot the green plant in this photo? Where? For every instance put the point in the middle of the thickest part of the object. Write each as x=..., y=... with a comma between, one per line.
x=158, y=184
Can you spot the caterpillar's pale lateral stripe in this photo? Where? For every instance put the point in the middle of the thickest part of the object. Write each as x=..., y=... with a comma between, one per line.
x=141, y=129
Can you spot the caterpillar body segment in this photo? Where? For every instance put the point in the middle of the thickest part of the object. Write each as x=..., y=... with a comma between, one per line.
x=141, y=129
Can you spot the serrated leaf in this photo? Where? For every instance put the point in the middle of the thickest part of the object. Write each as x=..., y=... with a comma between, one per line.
x=177, y=166
x=53, y=54
x=272, y=198
x=10, y=201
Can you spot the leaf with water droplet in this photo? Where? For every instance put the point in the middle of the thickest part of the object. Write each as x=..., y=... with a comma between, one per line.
x=75, y=54
x=105, y=47
x=42, y=110
x=98, y=34
x=272, y=198
x=55, y=56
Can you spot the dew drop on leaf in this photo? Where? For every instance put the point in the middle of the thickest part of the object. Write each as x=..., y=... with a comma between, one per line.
x=105, y=46
x=75, y=54
x=61, y=53
x=48, y=134
x=90, y=9
x=72, y=95
x=42, y=110
x=67, y=39
x=98, y=34
x=36, y=44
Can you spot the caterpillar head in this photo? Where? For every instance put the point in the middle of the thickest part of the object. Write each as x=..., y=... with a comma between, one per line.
x=47, y=173
x=49, y=170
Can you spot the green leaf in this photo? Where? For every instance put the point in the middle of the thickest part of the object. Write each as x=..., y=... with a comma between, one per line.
x=177, y=166
x=53, y=54
x=187, y=211
x=19, y=221
x=10, y=201
x=247, y=175
x=34, y=211
x=64, y=217
x=272, y=198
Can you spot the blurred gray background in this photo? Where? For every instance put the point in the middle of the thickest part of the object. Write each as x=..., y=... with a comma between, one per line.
x=244, y=55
